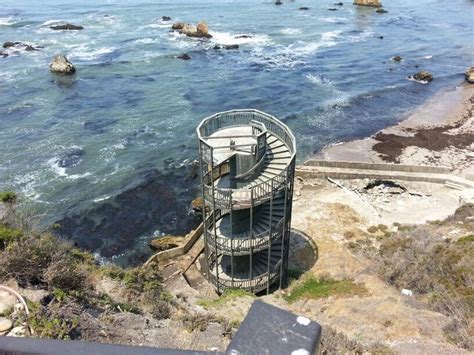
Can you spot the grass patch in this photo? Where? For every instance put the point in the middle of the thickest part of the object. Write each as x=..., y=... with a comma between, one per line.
x=8, y=235
x=313, y=288
x=228, y=295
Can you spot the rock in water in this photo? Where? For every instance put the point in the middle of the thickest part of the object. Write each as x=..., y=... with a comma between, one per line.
x=60, y=65
x=469, y=74
x=5, y=324
x=303, y=8
x=20, y=45
x=397, y=58
x=178, y=25
x=165, y=18
x=67, y=27
x=339, y=4
x=229, y=46
x=423, y=76
x=3, y=54
x=372, y=3
x=202, y=28
x=381, y=11
x=184, y=56
x=278, y=2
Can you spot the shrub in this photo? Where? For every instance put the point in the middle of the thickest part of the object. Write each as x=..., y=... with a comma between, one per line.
x=8, y=197
x=7, y=235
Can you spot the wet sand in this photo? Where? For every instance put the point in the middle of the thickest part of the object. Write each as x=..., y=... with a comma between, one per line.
x=440, y=132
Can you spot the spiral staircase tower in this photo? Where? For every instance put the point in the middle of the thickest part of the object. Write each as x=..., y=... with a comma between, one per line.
x=247, y=165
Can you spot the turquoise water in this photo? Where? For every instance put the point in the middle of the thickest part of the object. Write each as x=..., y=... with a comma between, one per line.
x=109, y=152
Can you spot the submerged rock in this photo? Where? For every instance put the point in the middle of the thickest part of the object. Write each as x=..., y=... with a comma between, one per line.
x=184, y=56
x=332, y=9
x=381, y=11
x=397, y=58
x=62, y=66
x=303, y=8
x=371, y=3
x=338, y=3
x=73, y=157
x=165, y=18
x=67, y=27
x=423, y=76
x=20, y=45
x=165, y=243
x=278, y=2
x=230, y=46
x=243, y=36
x=469, y=74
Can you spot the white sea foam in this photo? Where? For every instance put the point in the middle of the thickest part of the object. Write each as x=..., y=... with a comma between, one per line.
x=157, y=25
x=82, y=52
x=146, y=40
x=334, y=19
x=227, y=38
x=100, y=199
x=50, y=22
x=317, y=79
x=428, y=57
x=7, y=21
x=291, y=31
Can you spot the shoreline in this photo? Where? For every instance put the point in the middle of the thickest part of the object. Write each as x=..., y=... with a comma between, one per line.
x=439, y=132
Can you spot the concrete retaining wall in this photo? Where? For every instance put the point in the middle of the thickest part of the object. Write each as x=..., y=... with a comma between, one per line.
x=378, y=166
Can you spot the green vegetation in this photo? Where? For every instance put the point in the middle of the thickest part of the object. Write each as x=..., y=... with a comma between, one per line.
x=312, y=288
x=466, y=240
x=228, y=296
x=8, y=197
x=8, y=235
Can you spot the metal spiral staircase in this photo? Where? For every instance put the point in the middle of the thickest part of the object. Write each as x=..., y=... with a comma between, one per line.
x=247, y=164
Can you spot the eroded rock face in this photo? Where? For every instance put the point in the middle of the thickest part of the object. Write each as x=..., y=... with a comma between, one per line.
x=67, y=27
x=62, y=66
x=469, y=74
x=165, y=243
x=423, y=76
x=372, y=3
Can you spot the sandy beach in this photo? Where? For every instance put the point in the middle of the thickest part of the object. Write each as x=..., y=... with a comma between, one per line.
x=440, y=132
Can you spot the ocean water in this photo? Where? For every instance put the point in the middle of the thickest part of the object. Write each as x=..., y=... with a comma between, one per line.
x=108, y=153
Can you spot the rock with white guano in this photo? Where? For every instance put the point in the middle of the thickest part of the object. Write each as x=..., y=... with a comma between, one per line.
x=62, y=66
x=371, y=3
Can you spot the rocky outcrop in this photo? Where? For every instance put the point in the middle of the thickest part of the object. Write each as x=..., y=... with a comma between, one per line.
x=199, y=31
x=165, y=18
x=469, y=74
x=67, y=27
x=184, y=56
x=20, y=45
x=165, y=243
x=423, y=76
x=371, y=3
x=62, y=66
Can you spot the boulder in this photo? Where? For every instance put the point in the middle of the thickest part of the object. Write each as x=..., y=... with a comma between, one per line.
x=469, y=74
x=19, y=331
x=165, y=18
x=184, y=56
x=5, y=324
x=423, y=76
x=67, y=27
x=165, y=243
x=202, y=28
x=178, y=25
x=62, y=66
x=278, y=2
x=338, y=3
x=397, y=58
x=371, y=3
x=381, y=11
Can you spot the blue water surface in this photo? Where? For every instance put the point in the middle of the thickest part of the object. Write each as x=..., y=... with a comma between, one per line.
x=111, y=144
